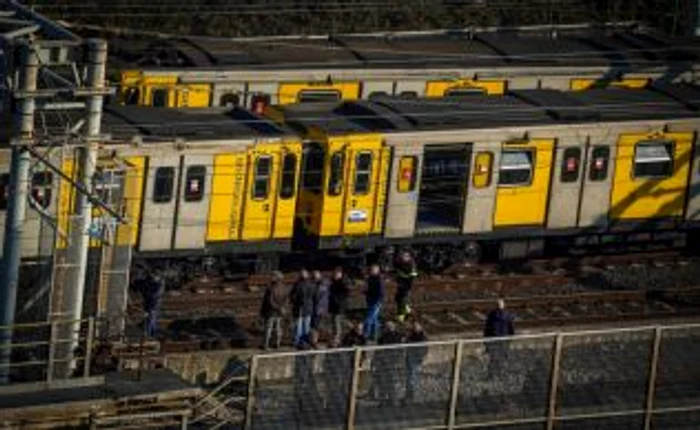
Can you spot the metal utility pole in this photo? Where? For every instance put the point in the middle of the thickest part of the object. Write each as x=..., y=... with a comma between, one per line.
x=17, y=203
x=74, y=290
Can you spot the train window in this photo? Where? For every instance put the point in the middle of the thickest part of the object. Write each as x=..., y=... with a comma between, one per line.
x=600, y=158
x=377, y=95
x=363, y=173
x=570, y=164
x=4, y=190
x=230, y=100
x=159, y=97
x=259, y=102
x=261, y=184
x=163, y=184
x=653, y=159
x=289, y=174
x=132, y=96
x=107, y=184
x=194, y=183
x=337, y=170
x=464, y=92
x=483, y=165
x=315, y=96
x=312, y=176
x=516, y=167
x=41, y=188
x=407, y=174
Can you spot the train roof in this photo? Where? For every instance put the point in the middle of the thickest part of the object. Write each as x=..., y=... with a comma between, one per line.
x=515, y=108
x=191, y=124
x=619, y=46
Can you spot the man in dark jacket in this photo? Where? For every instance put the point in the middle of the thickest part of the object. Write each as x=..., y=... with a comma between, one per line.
x=406, y=273
x=414, y=357
x=273, y=309
x=499, y=323
x=338, y=302
x=153, y=290
x=374, y=297
x=302, y=298
x=321, y=294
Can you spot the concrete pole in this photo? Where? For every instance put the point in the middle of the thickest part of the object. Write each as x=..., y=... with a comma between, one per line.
x=80, y=233
x=16, y=211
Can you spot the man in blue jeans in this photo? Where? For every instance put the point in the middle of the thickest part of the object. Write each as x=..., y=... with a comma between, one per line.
x=375, y=297
x=302, y=298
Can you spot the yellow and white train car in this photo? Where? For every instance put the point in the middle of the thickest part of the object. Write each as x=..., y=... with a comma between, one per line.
x=519, y=171
x=263, y=71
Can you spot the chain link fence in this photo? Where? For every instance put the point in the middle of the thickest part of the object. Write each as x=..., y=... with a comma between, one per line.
x=641, y=378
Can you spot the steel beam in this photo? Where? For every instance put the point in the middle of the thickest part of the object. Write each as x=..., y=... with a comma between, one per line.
x=16, y=210
x=79, y=247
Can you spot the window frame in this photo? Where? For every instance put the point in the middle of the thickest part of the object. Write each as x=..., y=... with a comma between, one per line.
x=336, y=174
x=670, y=146
x=489, y=178
x=593, y=156
x=166, y=99
x=314, y=185
x=132, y=94
x=163, y=198
x=224, y=100
x=566, y=177
x=465, y=92
x=359, y=172
x=195, y=172
x=45, y=185
x=4, y=191
x=414, y=174
x=257, y=177
x=286, y=174
x=533, y=165
x=309, y=92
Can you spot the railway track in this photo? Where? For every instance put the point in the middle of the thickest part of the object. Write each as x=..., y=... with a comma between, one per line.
x=216, y=313
x=460, y=316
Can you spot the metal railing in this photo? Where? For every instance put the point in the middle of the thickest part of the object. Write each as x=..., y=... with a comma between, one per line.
x=634, y=378
x=58, y=349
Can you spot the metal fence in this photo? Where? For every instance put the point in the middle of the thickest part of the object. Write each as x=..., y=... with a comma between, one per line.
x=59, y=349
x=640, y=378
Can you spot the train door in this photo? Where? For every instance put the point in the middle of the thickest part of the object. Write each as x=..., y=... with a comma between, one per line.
x=564, y=196
x=193, y=201
x=355, y=186
x=597, y=183
x=366, y=185
x=443, y=188
x=523, y=183
x=261, y=192
x=156, y=231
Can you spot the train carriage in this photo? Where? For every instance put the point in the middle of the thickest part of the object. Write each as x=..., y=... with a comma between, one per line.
x=520, y=170
x=262, y=71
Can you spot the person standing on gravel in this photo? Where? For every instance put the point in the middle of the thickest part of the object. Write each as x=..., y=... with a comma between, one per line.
x=302, y=298
x=374, y=297
x=338, y=302
x=153, y=291
x=272, y=310
x=321, y=294
x=406, y=273
x=499, y=323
